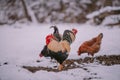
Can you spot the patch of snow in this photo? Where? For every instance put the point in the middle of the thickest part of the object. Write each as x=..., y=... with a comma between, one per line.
x=111, y=19
x=108, y=9
x=20, y=44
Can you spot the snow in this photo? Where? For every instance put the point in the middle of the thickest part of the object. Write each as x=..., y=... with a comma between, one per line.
x=20, y=44
x=85, y=1
x=108, y=9
x=106, y=72
x=111, y=19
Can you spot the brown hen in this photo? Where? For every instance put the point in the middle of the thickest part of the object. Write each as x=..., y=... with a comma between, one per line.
x=92, y=46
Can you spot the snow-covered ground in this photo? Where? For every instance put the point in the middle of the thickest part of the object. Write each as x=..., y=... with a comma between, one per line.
x=20, y=44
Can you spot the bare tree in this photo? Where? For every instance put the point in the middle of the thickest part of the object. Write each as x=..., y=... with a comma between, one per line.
x=26, y=11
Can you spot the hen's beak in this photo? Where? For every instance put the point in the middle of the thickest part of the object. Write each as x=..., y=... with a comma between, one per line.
x=101, y=35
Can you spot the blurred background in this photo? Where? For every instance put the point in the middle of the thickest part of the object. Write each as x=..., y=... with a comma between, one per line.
x=60, y=11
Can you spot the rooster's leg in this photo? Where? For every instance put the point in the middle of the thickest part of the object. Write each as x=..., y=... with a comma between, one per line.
x=60, y=67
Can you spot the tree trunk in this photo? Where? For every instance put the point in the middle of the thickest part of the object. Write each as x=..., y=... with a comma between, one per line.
x=108, y=3
x=26, y=11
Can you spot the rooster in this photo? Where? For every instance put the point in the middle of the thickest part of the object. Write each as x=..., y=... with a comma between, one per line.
x=56, y=49
x=92, y=46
